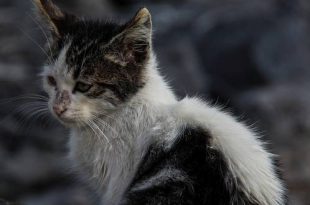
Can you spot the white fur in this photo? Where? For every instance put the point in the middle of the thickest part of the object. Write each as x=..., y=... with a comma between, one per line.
x=109, y=152
x=121, y=153
x=245, y=154
x=246, y=157
x=154, y=112
x=129, y=132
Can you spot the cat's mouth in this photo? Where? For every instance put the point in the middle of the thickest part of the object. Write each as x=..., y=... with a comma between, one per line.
x=65, y=119
x=69, y=117
x=68, y=122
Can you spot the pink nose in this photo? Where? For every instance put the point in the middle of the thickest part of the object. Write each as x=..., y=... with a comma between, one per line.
x=61, y=102
x=59, y=110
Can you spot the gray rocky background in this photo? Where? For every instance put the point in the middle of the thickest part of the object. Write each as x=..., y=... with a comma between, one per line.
x=252, y=56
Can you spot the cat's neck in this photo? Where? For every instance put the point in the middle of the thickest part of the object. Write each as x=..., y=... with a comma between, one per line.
x=156, y=91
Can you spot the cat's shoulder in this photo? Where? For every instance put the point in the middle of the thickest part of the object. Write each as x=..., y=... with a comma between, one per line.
x=194, y=111
x=242, y=148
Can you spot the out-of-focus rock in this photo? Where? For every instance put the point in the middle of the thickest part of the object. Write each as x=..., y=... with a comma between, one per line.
x=282, y=53
x=182, y=67
x=59, y=195
x=283, y=112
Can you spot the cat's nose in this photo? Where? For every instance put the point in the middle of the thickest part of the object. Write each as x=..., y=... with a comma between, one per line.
x=59, y=110
x=61, y=102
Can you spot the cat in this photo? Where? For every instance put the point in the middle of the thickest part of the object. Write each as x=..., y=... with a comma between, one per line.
x=131, y=138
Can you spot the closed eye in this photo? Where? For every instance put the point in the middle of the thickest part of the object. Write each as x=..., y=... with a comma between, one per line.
x=113, y=88
x=82, y=87
x=108, y=86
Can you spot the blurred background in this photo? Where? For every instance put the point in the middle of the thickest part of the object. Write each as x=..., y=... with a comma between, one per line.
x=251, y=56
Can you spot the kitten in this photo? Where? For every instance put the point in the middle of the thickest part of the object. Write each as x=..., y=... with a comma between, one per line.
x=130, y=137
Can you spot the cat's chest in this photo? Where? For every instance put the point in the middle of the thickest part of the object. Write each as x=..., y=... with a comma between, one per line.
x=108, y=166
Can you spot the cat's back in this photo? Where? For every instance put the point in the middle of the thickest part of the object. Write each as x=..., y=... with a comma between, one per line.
x=191, y=171
x=212, y=160
x=250, y=166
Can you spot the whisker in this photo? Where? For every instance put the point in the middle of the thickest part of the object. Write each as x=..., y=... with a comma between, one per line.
x=103, y=114
x=42, y=30
x=30, y=114
x=114, y=137
x=93, y=129
x=37, y=44
x=104, y=123
x=24, y=97
x=101, y=132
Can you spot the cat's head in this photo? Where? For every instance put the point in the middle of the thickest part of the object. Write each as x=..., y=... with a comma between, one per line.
x=93, y=67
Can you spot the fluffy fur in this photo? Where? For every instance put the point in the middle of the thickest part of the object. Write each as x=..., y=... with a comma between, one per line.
x=246, y=157
x=132, y=139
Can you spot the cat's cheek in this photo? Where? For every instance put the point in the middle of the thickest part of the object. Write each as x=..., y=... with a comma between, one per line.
x=50, y=107
x=80, y=105
x=46, y=87
x=87, y=112
x=109, y=106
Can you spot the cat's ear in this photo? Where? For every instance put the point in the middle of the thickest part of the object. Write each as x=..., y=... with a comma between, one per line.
x=134, y=42
x=54, y=17
x=139, y=28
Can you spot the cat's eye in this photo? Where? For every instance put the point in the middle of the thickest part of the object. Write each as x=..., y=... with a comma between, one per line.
x=51, y=81
x=82, y=87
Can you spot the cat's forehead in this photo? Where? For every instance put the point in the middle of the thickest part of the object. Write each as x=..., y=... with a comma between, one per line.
x=90, y=35
x=84, y=34
x=58, y=66
x=83, y=45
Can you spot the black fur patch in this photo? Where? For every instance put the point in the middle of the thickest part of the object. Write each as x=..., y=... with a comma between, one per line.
x=101, y=53
x=207, y=178
x=86, y=58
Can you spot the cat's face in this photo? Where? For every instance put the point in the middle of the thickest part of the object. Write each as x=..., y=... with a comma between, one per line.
x=94, y=68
